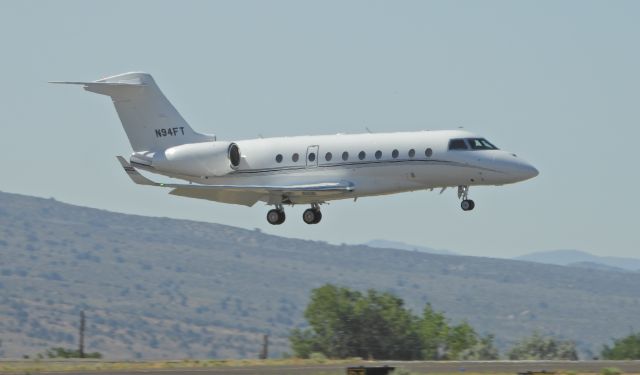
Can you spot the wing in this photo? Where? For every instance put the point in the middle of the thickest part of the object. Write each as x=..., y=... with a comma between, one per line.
x=248, y=195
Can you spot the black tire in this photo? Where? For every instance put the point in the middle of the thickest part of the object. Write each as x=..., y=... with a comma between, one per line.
x=275, y=217
x=465, y=205
x=309, y=216
x=282, y=217
x=318, y=217
x=472, y=206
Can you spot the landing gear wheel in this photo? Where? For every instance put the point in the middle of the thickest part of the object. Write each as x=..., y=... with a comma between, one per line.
x=311, y=216
x=467, y=205
x=275, y=216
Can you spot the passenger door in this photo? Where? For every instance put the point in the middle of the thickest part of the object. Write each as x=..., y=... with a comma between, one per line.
x=312, y=156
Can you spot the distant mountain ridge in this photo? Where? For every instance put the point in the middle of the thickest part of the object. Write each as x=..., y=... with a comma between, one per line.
x=165, y=288
x=569, y=258
x=597, y=266
x=386, y=244
x=581, y=259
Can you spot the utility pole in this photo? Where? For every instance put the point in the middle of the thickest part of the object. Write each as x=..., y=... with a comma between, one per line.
x=264, y=354
x=81, y=341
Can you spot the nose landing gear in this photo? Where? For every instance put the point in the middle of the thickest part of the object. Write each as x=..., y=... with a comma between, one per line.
x=466, y=204
x=312, y=215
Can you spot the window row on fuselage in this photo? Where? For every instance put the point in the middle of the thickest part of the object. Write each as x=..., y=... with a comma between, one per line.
x=362, y=155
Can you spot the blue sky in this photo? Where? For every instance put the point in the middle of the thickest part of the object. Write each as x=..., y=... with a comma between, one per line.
x=557, y=82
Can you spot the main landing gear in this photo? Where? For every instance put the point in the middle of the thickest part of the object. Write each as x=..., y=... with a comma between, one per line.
x=312, y=215
x=466, y=204
x=276, y=216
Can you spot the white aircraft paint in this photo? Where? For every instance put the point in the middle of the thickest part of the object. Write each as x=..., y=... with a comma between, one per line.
x=296, y=170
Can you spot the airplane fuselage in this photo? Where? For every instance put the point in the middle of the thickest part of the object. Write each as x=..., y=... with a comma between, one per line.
x=375, y=163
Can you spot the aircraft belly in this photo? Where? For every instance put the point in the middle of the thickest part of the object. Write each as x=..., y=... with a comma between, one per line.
x=443, y=175
x=367, y=181
x=403, y=178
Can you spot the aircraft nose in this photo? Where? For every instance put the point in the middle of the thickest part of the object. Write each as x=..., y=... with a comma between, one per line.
x=524, y=171
x=515, y=168
x=529, y=171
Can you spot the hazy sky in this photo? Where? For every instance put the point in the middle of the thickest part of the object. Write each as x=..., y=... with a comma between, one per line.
x=557, y=82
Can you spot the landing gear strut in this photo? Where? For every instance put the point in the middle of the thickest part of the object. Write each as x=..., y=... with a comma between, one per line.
x=312, y=215
x=276, y=216
x=466, y=204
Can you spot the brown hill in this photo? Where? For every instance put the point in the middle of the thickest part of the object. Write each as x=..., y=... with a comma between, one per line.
x=157, y=287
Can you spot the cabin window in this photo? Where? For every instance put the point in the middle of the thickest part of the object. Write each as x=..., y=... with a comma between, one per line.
x=458, y=144
x=395, y=153
x=412, y=153
x=428, y=152
x=362, y=155
x=345, y=156
x=279, y=158
x=295, y=157
x=378, y=154
x=328, y=156
x=312, y=156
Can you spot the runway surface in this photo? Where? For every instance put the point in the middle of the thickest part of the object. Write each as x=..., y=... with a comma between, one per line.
x=425, y=367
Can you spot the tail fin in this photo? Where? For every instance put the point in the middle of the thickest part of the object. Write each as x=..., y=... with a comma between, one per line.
x=148, y=118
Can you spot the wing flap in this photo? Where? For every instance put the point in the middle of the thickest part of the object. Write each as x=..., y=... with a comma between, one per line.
x=244, y=198
x=242, y=194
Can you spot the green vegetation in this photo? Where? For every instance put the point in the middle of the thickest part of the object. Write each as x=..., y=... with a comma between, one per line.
x=484, y=349
x=624, y=348
x=59, y=352
x=440, y=340
x=376, y=325
x=347, y=323
x=538, y=347
x=610, y=371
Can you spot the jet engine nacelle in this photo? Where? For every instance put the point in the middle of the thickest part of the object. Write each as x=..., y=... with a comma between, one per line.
x=199, y=159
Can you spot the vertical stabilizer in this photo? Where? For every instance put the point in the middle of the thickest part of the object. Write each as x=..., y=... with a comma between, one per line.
x=149, y=119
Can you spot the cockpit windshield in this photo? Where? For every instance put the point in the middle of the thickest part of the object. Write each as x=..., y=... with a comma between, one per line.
x=480, y=144
x=471, y=143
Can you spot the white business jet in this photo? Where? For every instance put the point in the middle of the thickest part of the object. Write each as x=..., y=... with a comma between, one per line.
x=309, y=170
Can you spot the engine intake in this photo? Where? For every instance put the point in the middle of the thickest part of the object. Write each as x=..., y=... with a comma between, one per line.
x=234, y=155
x=199, y=159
